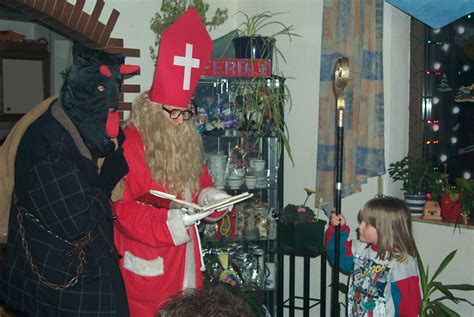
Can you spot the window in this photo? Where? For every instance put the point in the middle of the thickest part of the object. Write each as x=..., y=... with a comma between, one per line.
x=442, y=96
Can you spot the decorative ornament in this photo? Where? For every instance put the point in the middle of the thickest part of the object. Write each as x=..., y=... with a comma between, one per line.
x=432, y=210
x=465, y=94
x=443, y=86
x=228, y=275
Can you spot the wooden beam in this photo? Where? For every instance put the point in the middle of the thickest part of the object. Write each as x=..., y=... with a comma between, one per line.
x=104, y=39
x=76, y=14
x=130, y=52
x=125, y=105
x=58, y=9
x=67, y=13
x=130, y=88
x=94, y=18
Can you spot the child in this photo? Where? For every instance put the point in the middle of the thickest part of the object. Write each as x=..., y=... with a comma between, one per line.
x=384, y=275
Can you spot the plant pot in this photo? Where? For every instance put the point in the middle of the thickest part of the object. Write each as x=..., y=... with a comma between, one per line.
x=450, y=210
x=301, y=235
x=254, y=47
x=415, y=203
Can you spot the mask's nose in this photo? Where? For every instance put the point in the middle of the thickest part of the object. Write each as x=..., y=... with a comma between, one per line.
x=112, y=124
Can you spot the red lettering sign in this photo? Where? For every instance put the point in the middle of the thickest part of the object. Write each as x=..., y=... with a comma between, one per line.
x=238, y=67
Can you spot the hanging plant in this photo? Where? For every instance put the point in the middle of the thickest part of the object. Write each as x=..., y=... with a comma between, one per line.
x=171, y=10
x=261, y=103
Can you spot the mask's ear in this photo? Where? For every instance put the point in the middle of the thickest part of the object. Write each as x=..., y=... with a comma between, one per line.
x=128, y=69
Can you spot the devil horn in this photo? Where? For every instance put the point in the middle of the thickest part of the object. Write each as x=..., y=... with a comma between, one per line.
x=105, y=70
x=128, y=69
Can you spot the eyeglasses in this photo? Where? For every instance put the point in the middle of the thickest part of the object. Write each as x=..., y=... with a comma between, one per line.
x=175, y=113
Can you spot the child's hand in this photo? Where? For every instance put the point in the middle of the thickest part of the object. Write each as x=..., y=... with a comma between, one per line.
x=337, y=219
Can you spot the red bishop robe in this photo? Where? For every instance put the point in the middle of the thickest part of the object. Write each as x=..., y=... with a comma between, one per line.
x=160, y=256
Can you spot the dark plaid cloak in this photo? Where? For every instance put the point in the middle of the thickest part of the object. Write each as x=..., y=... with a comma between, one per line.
x=54, y=177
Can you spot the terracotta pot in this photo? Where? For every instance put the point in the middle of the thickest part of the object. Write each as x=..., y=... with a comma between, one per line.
x=450, y=210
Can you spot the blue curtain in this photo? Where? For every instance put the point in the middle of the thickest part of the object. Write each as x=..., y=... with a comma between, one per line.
x=351, y=28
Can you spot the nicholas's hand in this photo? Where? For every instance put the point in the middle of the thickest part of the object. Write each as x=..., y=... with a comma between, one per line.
x=190, y=220
x=213, y=195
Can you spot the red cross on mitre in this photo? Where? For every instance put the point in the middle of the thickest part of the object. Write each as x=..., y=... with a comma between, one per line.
x=184, y=52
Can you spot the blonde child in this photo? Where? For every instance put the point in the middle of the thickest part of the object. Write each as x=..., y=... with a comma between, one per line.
x=384, y=277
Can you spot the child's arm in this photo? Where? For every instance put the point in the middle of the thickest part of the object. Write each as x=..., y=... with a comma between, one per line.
x=346, y=261
x=406, y=290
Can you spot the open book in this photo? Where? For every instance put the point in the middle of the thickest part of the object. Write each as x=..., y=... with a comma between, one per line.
x=218, y=205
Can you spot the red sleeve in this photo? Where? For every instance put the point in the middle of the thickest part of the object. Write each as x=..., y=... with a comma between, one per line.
x=406, y=297
x=205, y=178
x=155, y=227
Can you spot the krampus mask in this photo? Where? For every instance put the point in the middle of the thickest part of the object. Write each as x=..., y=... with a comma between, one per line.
x=92, y=87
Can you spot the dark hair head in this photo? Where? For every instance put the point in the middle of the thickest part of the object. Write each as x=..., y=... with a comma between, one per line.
x=217, y=302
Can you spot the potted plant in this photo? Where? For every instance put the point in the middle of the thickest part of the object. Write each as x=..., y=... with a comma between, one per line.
x=449, y=198
x=260, y=104
x=418, y=178
x=251, y=43
x=430, y=286
x=467, y=198
x=456, y=200
x=171, y=10
x=299, y=227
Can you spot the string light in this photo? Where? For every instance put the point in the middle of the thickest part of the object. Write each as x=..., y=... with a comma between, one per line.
x=445, y=91
x=436, y=73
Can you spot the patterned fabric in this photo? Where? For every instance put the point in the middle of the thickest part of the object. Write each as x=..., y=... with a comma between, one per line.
x=351, y=28
x=54, y=182
x=377, y=287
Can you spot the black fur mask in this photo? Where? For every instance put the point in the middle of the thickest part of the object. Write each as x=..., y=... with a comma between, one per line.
x=87, y=95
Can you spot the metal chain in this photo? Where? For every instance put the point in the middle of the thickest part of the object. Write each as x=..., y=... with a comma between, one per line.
x=29, y=257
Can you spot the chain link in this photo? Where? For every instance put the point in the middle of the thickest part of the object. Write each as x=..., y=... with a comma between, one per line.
x=80, y=244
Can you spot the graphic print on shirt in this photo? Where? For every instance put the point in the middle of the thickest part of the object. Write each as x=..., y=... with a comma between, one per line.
x=369, y=279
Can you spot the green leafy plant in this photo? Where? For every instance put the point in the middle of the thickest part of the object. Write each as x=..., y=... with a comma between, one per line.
x=443, y=187
x=462, y=189
x=256, y=25
x=261, y=108
x=466, y=188
x=171, y=10
x=417, y=176
x=430, y=286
